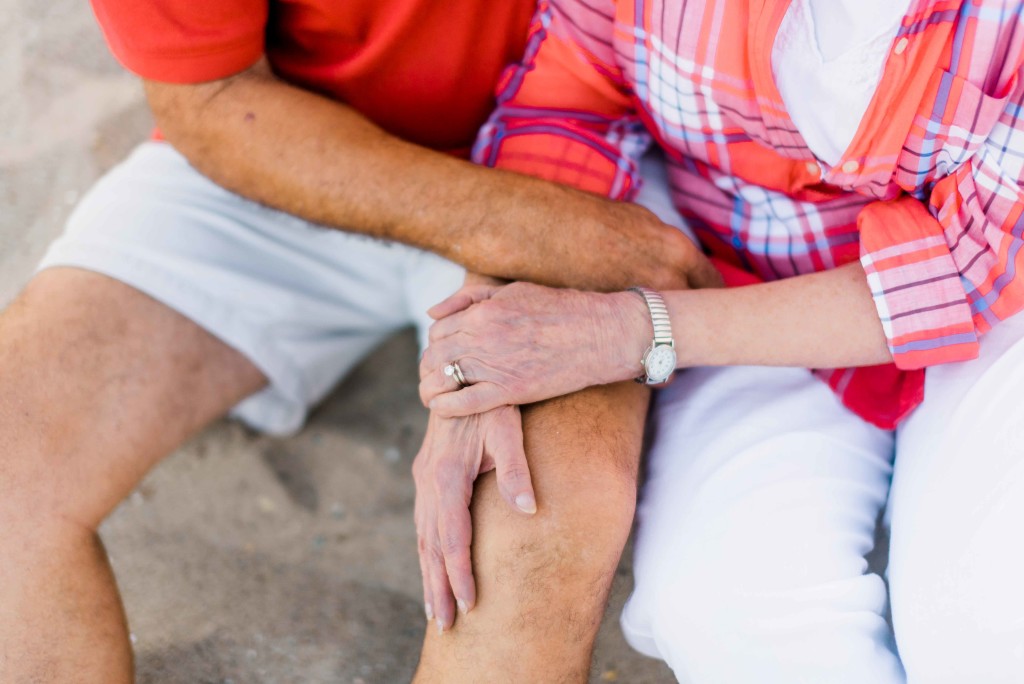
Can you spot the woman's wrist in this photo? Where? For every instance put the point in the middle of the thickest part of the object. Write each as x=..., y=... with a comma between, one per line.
x=627, y=332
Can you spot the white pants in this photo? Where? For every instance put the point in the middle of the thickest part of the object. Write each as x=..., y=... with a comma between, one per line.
x=761, y=501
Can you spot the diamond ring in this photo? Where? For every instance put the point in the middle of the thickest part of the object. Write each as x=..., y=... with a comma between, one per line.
x=452, y=370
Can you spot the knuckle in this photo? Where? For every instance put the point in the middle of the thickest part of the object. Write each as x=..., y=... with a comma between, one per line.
x=426, y=393
x=418, y=466
x=518, y=287
x=431, y=551
x=467, y=368
x=490, y=310
x=513, y=463
x=426, y=362
x=441, y=478
x=435, y=333
x=450, y=472
x=424, y=475
x=516, y=471
x=453, y=544
x=516, y=386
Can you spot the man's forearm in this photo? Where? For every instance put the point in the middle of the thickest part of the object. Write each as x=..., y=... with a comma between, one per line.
x=323, y=161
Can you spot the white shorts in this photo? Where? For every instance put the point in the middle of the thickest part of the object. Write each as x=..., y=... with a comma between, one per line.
x=304, y=303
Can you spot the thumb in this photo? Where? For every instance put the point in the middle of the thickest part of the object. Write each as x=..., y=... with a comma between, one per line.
x=505, y=444
x=461, y=300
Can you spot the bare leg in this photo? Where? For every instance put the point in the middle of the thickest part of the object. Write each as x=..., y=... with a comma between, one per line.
x=543, y=581
x=98, y=383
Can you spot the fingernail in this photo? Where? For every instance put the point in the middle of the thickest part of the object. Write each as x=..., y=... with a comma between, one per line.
x=526, y=503
x=429, y=610
x=463, y=607
x=440, y=626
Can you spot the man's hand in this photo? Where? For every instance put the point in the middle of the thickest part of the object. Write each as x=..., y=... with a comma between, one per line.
x=319, y=159
x=454, y=453
x=610, y=246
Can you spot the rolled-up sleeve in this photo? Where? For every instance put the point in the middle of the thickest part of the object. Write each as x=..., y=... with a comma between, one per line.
x=946, y=268
x=916, y=285
x=566, y=113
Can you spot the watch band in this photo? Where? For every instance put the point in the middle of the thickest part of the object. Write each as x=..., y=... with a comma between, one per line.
x=659, y=315
x=663, y=343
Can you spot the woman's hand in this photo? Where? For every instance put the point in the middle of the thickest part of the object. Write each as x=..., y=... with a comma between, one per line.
x=523, y=343
x=454, y=453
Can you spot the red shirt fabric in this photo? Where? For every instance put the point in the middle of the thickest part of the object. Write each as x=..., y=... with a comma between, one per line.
x=421, y=69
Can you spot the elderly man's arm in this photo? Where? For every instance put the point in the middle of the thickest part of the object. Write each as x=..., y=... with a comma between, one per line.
x=321, y=160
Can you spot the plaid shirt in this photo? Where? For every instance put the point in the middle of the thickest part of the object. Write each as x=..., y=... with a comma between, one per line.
x=927, y=196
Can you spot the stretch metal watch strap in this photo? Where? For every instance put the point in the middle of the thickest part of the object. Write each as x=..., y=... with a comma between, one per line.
x=659, y=315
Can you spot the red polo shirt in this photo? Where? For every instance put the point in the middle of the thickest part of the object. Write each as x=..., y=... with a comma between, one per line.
x=424, y=70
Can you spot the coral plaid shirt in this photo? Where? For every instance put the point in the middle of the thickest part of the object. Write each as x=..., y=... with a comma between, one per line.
x=927, y=196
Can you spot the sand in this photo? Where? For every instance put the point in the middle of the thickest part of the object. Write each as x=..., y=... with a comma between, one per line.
x=242, y=558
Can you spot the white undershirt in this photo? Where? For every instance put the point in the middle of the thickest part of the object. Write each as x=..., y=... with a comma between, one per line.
x=827, y=60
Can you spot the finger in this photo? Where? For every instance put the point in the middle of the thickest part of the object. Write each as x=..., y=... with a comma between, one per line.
x=437, y=578
x=421, y=527
x=428, y=603
x=505, y=444
x=446, y=327
x=437, y=383
x=438, y=355
x=461, y=300
x=456, y=533
x=428, y=363
x=471, y=400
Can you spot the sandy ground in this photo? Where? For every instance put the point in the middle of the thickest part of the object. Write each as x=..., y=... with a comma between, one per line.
x=242, y=558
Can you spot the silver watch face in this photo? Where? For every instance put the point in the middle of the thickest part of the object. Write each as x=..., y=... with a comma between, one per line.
x=660, y=363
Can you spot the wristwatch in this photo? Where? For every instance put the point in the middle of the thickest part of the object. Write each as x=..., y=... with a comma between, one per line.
x=659, y=361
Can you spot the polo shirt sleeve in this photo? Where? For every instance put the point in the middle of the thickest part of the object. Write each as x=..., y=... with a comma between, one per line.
x=566, y=113
x=184, y=41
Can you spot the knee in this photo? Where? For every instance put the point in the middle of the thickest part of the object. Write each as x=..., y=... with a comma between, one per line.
x=959, y=619
x=578, y=533
x=39, y=507
x=563, y=558
x=584, y=458
x=757, y=617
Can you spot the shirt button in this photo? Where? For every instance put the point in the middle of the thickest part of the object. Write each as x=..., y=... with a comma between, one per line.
x=813, y=168
x=901, y=45
x=851, y=166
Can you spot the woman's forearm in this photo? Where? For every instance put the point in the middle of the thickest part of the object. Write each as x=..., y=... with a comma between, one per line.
x=824, y=320
x=523, y=343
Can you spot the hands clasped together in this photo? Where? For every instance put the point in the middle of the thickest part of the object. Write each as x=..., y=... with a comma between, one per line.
x=514, y=344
